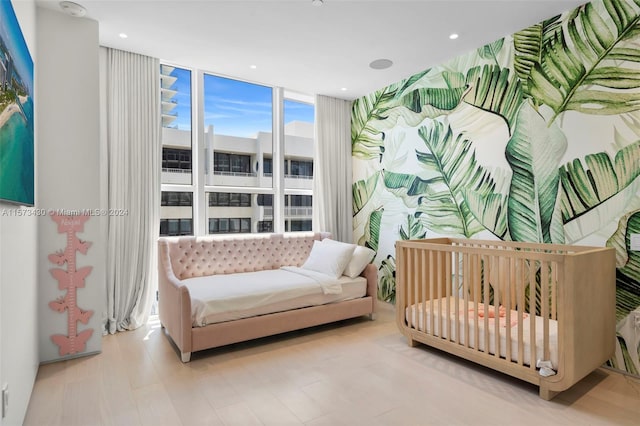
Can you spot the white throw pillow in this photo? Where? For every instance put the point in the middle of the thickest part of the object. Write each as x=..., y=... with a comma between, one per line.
x=361, y=257
x=330, y=259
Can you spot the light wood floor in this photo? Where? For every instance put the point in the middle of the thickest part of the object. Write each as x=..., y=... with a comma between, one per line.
x=356, y=372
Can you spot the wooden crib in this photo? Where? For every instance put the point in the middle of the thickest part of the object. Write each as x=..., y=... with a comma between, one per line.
x=506, y=305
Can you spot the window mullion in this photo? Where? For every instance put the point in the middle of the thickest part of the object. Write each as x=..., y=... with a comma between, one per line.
x=278, y=159
x=199, y=198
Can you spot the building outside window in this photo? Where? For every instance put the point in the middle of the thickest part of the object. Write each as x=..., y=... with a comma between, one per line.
x=176, y=159
x=231, y=163
x=229, y=225
x=175, y=227
x=301, y=168
x=226, y=199
x=267, y=166
x=234, y=191
x=265, y=226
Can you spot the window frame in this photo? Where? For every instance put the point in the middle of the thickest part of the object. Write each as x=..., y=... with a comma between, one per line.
x=198, y=188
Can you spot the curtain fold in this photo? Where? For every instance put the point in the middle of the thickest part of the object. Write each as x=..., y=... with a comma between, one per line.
x=134, y=152
x=332, y=180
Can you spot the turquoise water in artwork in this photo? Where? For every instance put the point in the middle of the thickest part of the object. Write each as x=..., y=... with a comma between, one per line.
x=17, y=157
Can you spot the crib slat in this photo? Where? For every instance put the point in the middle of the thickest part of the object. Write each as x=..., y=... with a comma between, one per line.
x=476, y=293
x=497, y=294
x=507, y=305
x=465, y=289
x=456, y=293
x=411, y=279
x=439, y=282
x=419, y=269
x=520, y=304
x=544, y=281
x=404, y=280
x=447, y=274
x=423, y=280
x=554, y=289
x=533, y=291
x=487, y=284
x=432, y=279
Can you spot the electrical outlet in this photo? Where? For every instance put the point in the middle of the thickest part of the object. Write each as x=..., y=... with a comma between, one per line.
x=5, y=399
x=634, y=242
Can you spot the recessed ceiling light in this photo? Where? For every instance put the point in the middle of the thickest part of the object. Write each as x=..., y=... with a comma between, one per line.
x=123, y=35
x=253, y=67
x=381, y=64
x=453, y=36
x=344, y=89
x=317, y=2
x=73, y=9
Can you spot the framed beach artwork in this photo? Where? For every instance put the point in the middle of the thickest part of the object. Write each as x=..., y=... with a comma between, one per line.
x=16, y=112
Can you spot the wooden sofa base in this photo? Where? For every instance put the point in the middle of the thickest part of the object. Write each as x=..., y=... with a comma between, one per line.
x=225, y=333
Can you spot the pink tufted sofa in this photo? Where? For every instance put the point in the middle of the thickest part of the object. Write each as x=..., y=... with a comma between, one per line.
x=188, y=257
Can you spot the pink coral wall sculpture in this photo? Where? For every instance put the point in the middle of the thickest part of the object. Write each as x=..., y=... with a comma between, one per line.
x=70, y=280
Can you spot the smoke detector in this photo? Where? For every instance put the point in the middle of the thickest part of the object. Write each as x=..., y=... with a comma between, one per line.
x=381, y=64
x=73, y=9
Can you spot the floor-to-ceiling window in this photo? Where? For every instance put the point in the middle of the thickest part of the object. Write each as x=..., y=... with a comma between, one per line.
x=248, y=163
x=176, y=207
x=298, y=167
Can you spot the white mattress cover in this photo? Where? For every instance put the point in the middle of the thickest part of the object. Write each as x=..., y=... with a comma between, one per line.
x=526, y=330
x=219, y=298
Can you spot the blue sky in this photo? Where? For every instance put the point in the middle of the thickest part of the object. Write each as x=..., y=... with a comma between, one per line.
x=12, y=36
x=233, y=107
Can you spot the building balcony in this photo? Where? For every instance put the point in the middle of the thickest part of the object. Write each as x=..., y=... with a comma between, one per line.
x=176, y=176
x=289, y=212
x=240, y=179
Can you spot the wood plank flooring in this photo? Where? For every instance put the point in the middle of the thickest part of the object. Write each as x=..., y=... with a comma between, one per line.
x=356, y=372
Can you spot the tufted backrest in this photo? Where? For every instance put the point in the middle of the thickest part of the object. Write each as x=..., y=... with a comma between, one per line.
x=201, y=256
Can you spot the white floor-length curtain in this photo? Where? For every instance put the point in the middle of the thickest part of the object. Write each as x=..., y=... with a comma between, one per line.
x=134, y=152
x=332, y=180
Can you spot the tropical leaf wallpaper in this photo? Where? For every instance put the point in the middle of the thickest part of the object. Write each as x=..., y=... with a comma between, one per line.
x=535, y=137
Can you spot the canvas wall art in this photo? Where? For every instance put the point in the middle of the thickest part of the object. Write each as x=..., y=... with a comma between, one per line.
x=16, y=112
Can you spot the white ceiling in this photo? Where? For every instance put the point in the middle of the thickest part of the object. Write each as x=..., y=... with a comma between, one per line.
x=309, y=49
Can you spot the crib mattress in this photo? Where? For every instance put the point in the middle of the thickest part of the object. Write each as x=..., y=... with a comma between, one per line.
x=220, y=298
x=417, y=322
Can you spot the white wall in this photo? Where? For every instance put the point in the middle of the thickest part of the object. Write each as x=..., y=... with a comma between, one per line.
x=68, y=108
x=18, y=279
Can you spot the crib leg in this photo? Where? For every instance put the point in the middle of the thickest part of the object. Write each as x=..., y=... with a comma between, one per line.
x=547, y=394
x=412, y=343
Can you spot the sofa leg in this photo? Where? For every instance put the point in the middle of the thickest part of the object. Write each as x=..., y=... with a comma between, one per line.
x=372, y=316
x=185, y=356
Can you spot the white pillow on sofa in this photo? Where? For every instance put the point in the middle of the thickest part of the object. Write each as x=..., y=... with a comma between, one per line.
x=330, y=259
x=361, y=257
